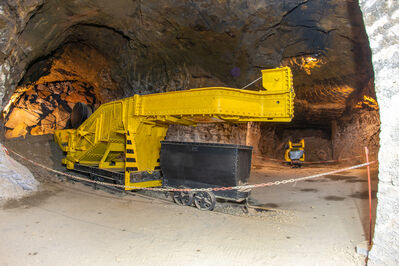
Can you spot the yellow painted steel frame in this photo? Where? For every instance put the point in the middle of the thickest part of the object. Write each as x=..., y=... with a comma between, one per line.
x=300, y=146
x=125, y=135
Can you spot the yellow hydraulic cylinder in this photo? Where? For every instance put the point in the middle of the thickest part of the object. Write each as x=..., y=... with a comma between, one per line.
x=125, y=135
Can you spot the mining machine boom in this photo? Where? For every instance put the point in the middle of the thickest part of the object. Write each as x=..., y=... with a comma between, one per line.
x=121, y=140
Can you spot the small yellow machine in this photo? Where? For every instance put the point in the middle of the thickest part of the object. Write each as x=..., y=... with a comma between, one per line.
x=120, y=141
x=295, y=153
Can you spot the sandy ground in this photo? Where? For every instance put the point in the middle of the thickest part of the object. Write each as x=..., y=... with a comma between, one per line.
x=314, y=222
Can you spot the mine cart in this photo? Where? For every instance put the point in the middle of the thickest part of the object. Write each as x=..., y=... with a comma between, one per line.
x=205, y=165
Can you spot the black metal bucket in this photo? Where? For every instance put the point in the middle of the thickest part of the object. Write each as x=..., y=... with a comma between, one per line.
x=196, y=165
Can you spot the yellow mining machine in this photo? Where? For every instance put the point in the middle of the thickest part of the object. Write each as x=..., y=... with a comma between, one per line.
x=295, y=153
x=121, y=140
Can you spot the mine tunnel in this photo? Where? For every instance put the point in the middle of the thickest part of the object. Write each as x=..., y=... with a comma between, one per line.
x=95, y=63
x=58, y=54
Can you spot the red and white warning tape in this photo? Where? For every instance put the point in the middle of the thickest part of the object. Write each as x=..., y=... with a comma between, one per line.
x=171, y=189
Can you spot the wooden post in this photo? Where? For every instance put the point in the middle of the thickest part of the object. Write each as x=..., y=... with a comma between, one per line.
x=369, y=185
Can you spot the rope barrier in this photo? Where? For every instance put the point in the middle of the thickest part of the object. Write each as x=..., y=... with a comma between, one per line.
x=171, y=189
x=316, y=162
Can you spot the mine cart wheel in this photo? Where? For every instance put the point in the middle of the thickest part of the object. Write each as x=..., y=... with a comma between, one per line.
x=183, y=197
x=205, y=201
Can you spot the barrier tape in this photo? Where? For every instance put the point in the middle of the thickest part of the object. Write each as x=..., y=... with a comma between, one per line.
x=171, y=189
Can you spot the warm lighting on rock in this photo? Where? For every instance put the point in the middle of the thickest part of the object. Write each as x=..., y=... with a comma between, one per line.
x=41, y=105
x=306, y=63
x=368, y=102
x=44, y=108
x=14, y=98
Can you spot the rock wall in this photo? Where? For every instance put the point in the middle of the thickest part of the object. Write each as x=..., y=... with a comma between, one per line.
x=254, y=136
x=166, y=45
x=216, y=133
x=155, y=46
x=16, y=180
x=382, y=25
x=46, y=107
x=273, y=141
x=360, y=125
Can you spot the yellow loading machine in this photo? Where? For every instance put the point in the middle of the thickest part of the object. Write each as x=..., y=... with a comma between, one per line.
x=121, y=140
x=295, y=153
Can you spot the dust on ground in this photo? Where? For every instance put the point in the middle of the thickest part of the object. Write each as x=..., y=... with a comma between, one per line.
x=318, y=222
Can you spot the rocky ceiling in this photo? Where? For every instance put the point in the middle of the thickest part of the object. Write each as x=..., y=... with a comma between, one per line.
x=153, y=46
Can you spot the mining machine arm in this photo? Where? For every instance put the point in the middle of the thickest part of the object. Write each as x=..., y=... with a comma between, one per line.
x=123, y=137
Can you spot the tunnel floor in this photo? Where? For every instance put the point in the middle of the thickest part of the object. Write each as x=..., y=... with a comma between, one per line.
x=317, y=221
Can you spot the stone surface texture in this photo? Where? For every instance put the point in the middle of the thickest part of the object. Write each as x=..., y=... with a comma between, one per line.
x=158, y=46
x=16, y=180
x=354, y=131
x=382, y=25
x=213, y=133
x=273, y=142
x=155, y=46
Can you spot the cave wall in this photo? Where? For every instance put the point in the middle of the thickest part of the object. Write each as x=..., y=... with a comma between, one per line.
x=74, y=62
x=155, y=46
x=361, y=125
x=52, y=85
x=274, y=138
x=214, y=133
x=382, y=25
x=171, y=45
